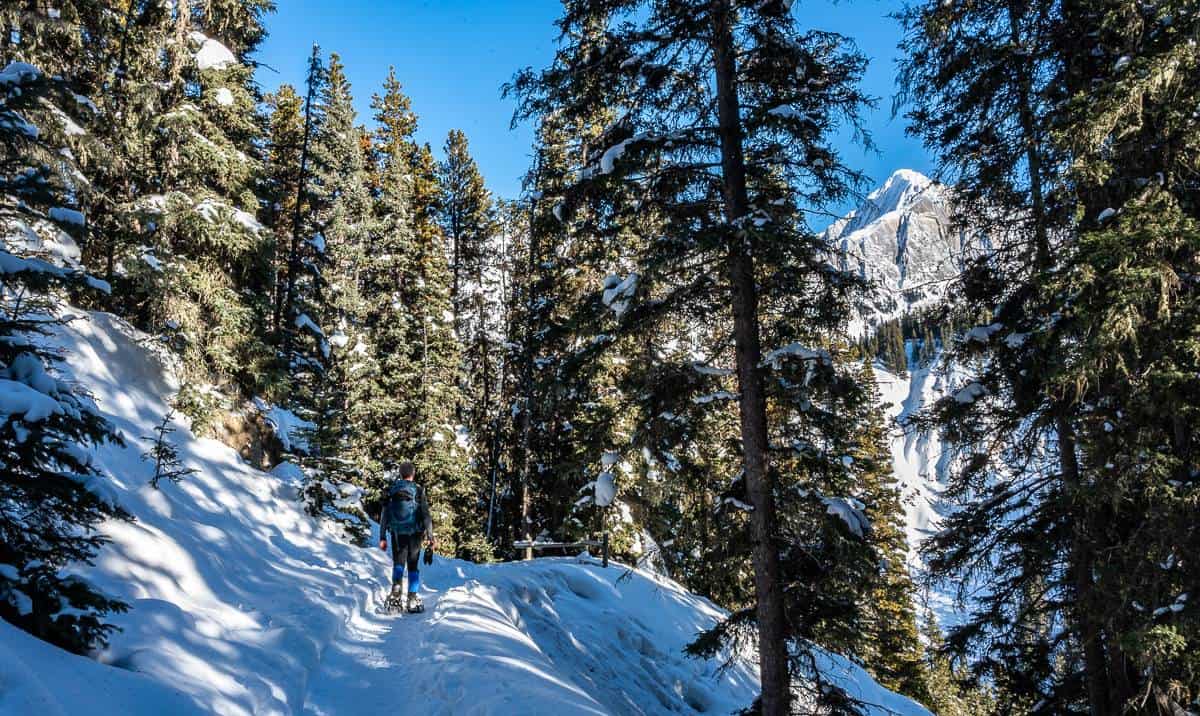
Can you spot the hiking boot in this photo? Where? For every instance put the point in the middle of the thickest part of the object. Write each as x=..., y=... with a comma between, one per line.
x=414, y=604
x=395, y=599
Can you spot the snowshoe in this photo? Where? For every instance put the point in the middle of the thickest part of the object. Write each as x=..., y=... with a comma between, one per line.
x=415, y=606
x=394, y=604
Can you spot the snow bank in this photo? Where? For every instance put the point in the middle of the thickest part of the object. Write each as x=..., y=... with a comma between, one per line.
x=243, y=604
x=36, y=678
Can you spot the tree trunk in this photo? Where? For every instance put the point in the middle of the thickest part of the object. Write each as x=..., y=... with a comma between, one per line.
x=772, y=627
x=527, y=381
x=1033, y=157
x=289, y=297
x=1081, y=564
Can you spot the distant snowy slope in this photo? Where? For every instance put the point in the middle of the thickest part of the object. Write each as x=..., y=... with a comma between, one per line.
x=243, y=604
x=901, y=240
x=920, y=464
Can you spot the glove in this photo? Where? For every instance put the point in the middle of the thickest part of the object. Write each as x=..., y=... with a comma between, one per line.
x=429, y=555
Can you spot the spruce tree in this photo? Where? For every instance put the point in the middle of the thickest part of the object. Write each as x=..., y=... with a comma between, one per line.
x=466, y=213
x=1030, y=108
x=164, y=454
x=176, y=185
x=1007, y=187
x=55, y=497
x=419, y=351
x=344, y=224
x=1130, y=304
x=890, y=646
x=466, y=220
x=717, y=142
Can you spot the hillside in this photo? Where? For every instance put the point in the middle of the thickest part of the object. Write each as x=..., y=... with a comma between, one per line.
x=243, y=604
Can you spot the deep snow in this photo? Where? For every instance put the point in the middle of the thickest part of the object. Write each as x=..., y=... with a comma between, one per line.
x=243, y=604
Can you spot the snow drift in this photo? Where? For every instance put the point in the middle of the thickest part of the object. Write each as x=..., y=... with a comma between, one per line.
x=243, y=604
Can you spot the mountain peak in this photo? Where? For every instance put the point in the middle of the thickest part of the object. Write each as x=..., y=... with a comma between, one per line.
x=899, y=192
x=901, y=239
x=899, y=187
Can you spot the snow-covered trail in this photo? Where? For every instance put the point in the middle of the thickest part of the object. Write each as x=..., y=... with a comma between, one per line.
x=506, y=638
x=241, y=604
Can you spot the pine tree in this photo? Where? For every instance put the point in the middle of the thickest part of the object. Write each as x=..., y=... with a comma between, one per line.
x=722, y=165
x=55, y=497
x=1040, y=420
x=340, y=185
x=420, y=354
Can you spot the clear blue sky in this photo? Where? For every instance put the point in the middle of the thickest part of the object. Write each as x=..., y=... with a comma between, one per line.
x=453, y=55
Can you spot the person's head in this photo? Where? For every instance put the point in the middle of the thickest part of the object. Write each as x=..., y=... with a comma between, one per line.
x=407, y=470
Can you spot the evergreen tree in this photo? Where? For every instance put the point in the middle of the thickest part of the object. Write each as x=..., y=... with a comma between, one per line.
x=176, y=184
x=722, y=166
x=337, y=459
x=1128, y=367
x=890, y=645
x=1006, y=179
x=951, y=692
x=420, y=353
x=1031, y=110
x=281, y=193
x=163, y=454
x=468, y=222
x=54, y=496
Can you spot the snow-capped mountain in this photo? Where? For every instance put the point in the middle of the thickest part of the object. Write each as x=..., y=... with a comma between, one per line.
x=901, y=240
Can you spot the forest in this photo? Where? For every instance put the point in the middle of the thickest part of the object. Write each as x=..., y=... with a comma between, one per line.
x=656, y=339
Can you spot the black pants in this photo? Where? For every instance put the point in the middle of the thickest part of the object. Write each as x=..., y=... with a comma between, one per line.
x=406, y=552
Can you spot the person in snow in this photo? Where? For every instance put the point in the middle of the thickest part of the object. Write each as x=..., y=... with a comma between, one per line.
x=407, y=523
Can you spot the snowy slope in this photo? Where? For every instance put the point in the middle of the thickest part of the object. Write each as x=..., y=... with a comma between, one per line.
x=902, y=241
x=920, y=464
x=243, y=604
x=37, y=678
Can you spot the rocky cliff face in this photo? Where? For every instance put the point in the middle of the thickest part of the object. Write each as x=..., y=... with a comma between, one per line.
x=901, y=240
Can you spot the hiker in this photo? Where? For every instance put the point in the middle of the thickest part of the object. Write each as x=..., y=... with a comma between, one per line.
x=406, y=521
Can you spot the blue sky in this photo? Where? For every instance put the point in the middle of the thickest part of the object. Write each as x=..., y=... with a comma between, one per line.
x=453, y=56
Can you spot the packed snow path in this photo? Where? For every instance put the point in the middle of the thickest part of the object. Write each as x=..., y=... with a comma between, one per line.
x=242, y=604
x=516, y=638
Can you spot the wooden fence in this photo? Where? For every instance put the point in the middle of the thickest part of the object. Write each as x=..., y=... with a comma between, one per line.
x=602, y=543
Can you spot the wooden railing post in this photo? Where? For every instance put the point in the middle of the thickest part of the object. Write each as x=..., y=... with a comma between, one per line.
x=604, y=561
